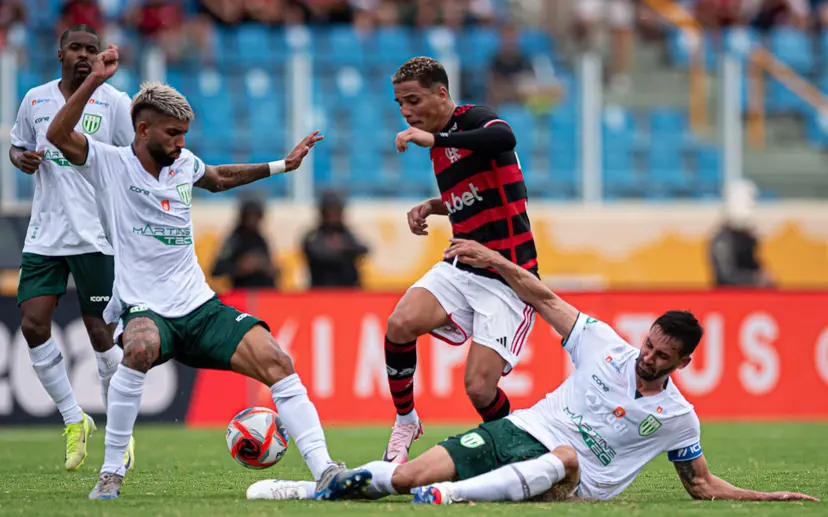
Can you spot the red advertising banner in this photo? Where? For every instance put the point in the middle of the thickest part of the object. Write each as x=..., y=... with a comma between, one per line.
x=764, y=355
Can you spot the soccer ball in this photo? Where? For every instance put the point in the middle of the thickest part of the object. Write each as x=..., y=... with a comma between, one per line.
x=256, y=438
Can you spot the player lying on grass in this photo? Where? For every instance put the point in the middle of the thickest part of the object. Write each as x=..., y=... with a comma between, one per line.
x=589, y=438
x=169, y=311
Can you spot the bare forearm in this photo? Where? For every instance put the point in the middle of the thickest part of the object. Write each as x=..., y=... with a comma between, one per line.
x=63, y=125
x=716, y=488
x=226, y=177
x=526, y=285
x=437, y=206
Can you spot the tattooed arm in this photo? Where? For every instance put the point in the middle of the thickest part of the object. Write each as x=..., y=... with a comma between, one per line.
x=701, y=484
x=218, y=178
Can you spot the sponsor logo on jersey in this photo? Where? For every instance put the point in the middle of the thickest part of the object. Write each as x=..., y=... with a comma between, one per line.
x=600, y=383
x=619, y=412
x=472, y=441
x=185, y=192
x=468, y=198
x=42, y=119
x=139, y=190
x=165, y=204
x=604, y=413
x=659, y=409
x=590, y=321
x=241, y=317
x=610, y=361
x=592, y=438
x=56, y=157
x=94, y=102
x=91, y=123
x=35, y=102
x=138, y=308
x=165, y=234
x=648, y=426
x=99, y=298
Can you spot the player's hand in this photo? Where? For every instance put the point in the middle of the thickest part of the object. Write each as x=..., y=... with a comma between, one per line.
x=415, y=136
x=295, y=157
x=789, y=496
x=417, y=218
x=471, y=253
x=29, y=161
x=105, y=64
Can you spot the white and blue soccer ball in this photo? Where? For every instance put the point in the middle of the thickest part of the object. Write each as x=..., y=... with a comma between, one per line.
x=256, y=438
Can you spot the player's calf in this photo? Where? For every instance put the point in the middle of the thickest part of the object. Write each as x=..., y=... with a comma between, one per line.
x=260, y=357
x=484, y=369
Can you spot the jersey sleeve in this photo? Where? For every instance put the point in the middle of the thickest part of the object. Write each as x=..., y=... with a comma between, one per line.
x=198, y=169
x=23, y=134
x=588, y=339
x=686, y=443
x=102, y=160
x=122, y=131
x=480, y=117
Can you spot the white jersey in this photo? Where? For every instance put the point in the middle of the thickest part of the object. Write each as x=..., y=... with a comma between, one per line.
x=152, y=233
x=65, y=217
x=597, y=412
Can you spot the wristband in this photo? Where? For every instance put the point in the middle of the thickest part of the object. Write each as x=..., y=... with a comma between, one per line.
x=276, y=167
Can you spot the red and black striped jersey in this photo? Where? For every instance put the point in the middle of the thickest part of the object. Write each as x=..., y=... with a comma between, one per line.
x=484, y=193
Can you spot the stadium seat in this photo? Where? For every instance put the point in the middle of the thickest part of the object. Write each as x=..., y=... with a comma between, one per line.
x=668, y=125
x=391, y=45
x=478, y=46
x=793, y=47
x=709, y=170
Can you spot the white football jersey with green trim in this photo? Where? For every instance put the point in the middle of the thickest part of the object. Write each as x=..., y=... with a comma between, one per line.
x=597, y=413
x=65, y=216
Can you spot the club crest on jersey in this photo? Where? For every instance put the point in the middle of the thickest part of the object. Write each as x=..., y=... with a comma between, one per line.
x=185, y=192
x=91, y=123
x=648, y=426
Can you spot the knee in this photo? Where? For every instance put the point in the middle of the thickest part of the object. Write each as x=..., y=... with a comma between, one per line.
x=275, y=366
x=36, y=328
x=403, y=327
x=481, y=390
x=569, y=458
x=142, y=344
x=405, y=478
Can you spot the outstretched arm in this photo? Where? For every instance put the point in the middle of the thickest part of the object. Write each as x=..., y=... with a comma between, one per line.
x=61, y=132
x=218, y=178
x=558, y=313
x=701, y=484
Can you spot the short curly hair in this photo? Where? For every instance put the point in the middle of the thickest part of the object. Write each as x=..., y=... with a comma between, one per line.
x=425, y=70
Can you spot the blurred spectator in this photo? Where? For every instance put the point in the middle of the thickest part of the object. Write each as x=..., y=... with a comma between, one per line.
x=454, y=14
x=734, y=248
x=245, y=255
x=163, y=22
x=81, y=12
x=510, y=73
x=331, y=250
x=13, y=26
x=619, y=17
x=762, y=14
x=268, y=12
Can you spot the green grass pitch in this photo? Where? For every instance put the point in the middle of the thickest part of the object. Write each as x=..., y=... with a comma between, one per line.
x=189, y=472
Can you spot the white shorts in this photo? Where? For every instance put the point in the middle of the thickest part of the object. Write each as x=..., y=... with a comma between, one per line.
x=616, y=13
x=481, y=307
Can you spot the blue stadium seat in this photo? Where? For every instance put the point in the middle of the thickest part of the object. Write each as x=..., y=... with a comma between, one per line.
x=344, y=47
x=535, y=42
x=709, y=169
x=618, y=125
x=793, y=47
x=477, y=46
x=816, y=130
x=669, y=124
x=392, y=45
x=780, y=99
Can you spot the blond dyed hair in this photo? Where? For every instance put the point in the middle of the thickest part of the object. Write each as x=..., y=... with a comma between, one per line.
x=163, y=99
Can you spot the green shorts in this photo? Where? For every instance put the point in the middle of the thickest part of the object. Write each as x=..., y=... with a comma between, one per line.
x=94, y=274
x=205, y=338
x=490, y=446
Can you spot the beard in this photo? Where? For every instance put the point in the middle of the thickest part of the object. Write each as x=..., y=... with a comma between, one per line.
x=159, y=155
x=645, y=374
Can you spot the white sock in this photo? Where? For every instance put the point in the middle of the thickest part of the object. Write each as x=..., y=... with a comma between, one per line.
x=380, y=486
x=50, y=368
x=301, y=420
x=408, y=418
x=516, y=482
x=107, y=364
x=125, y=391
